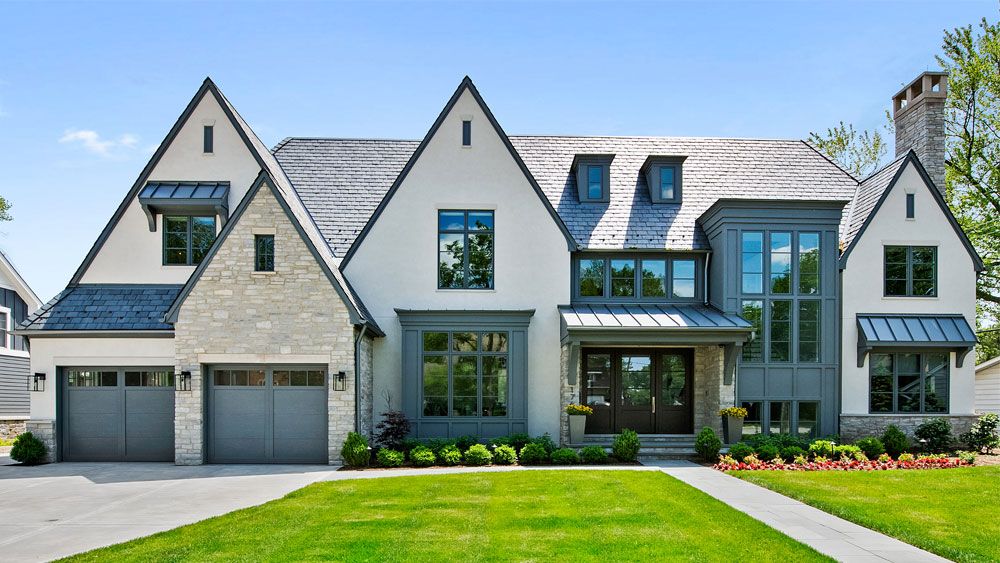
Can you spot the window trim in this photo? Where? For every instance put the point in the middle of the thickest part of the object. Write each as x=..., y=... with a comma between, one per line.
x=189, y=249
x=652, y=169
x=581, y=169
x=467, y=132
x=911, y=206
x=257, y=254
x=8, y=338
x=208, y=139
x=465, y=249
x=909, y=271
x=479, y=354
x=638, y=258
x=922, y=354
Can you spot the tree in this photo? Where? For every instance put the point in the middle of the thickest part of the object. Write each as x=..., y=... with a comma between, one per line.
x=5, y=210
x=858, y=153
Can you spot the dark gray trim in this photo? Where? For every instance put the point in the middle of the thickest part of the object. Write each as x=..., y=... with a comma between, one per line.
x=208, y=140
x=190, y=239
x=95, y=333
x=909, y=270
x=582, y=163
x=185, y=206
x=911, y=157
x=608, y=256
x=922, y=354
x=728, y=211
x=465, y=85
x=466, y=232
x=500, y=318
x=652, y=169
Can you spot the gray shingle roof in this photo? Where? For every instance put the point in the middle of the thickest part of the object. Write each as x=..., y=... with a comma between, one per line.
x=105, y=307
x=867, y=194
x=342, y=181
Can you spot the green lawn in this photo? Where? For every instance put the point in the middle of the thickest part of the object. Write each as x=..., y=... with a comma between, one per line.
x=951, y=512
x=520, y=516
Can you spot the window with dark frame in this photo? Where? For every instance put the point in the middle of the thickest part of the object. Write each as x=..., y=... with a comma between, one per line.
x=780, y=331
x=186, y=240
x=807, y=419
x=752, y=260
x=465, y=373
x=781, y=262
x=753, y=424
x=621, y=278
x=910, y=206
x=808, y=263
x=779, y=417
x=466, y=133
x=667, y=191
x=907, y=382
x=5, y=330
x=910, y=271
x=809, y=323
x=595, y=182
x=753, y=312
x=263, y=253
x=208, y=145
x=465, y=249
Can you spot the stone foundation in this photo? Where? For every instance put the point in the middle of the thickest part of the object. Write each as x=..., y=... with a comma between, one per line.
x=44, y=430
x=10, y=429
x=855, y=426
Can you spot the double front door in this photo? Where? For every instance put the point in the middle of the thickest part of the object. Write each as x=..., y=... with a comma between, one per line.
x=645, y=390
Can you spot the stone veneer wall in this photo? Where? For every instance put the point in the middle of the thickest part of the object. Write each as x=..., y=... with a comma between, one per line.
x=853, y=426
x=44, y=430
x=272, y=317
x=367, y=357
x=10, y=429
x=709, y=393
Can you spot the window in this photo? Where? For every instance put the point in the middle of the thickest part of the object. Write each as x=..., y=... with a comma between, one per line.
x=635, y=277
x=239, y=377
x=186, y=240
x=591, y=278
x=593, y=177
x=654, y=278
x=466, y=133
x=753, y=423
x=88, y=378
x=664, y=178
x=808, y=419
x=465, y=249
x=753, y=262
x=780, y=420
x=682, y=278
x=5, y=328
x=809, y=330
x=149, y=379
x=781, y=263
x=910, y=206
x=911, y=271
x=667, y=182
x=263, y=260
x=595, y=182
x=623, y=278
x=465, y=374
x=808, y=263
x=209, y=139
x=298, y=378
x=753, y=312
x=780, y=331
x=909, y=382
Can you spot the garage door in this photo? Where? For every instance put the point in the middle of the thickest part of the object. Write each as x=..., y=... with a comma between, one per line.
x=118, y=414
x=267, y=414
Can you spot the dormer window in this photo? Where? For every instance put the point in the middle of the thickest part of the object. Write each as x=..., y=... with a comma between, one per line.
x=593, y=177
x=663, y=176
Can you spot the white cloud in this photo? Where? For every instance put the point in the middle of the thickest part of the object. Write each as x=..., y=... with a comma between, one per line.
x=92, y=142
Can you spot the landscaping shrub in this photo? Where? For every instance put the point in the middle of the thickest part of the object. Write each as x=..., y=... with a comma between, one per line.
x=966, y=457
x=895, y=441
x=356, y=452
x=884, y=458
x=790, y=453
x=422, y=456
x=847, y=452
x=478, y=454
x=28, y=449
x=463, y=443
x=534, y=454
x=546, y=442
x=767, y=452
x=450, y=455
x=983, y=435
x=565, y=456
x=625, y=446
x=392, y=430
x=935, y=434
x=707, y=444
x=504, y=455
x=595, y=455
x=906, y=457
x=409, y=444
x=740, y=451
x=781, y=440
x=518, y=441
x=821, y=448
x=388, y=457
x=871, y=446
x=438, y=444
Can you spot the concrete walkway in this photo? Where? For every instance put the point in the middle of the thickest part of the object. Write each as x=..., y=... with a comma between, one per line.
x=827, y=534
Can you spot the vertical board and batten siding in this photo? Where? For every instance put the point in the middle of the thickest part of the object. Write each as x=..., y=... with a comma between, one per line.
x=14, y=369
x=988, y=389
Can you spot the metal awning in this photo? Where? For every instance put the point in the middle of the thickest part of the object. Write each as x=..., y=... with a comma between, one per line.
x=184, y=197
x=915, y=331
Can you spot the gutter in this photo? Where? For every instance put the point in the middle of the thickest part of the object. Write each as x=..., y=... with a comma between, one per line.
x=357, y=378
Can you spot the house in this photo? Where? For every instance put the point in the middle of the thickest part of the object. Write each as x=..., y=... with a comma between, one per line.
x=988, y=386
x=255, y=305
x=17, y=301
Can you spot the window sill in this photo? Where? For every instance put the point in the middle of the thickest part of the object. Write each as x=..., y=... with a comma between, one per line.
x=256, y=273
x=466, y=290
x=909, y=298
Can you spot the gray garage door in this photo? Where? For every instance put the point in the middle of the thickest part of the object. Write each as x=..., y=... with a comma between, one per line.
x=267, y=414
x=118, y=414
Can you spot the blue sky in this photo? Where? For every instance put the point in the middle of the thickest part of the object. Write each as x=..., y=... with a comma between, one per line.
x=88, y=90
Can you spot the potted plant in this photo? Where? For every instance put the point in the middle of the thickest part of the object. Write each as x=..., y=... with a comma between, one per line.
x=577, y=421
x=732, y=423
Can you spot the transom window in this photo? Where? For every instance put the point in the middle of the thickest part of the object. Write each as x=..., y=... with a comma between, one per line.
x=465, y=249
x=911, y=271
x=159, y=378
x=465, y=374
x=909, y=382
x=91, y=378
x=186, y=240
x=634, y=278
x=263, y=253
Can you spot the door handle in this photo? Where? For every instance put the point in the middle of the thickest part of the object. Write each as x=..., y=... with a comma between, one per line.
x=654, y=404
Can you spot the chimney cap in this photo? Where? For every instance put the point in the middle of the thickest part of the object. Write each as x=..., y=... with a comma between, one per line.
x=929, y=84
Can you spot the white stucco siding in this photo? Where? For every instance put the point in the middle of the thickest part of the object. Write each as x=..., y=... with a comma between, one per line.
x=132, y=254
x=988, y=389
x=48, y=354
x=396, y=265
x=863, y=285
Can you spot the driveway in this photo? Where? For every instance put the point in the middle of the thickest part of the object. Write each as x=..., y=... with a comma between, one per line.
x=56, y=510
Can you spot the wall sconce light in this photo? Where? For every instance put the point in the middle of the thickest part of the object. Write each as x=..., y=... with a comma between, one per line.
x=38, y=382
x=340, y=381
x=184, y=381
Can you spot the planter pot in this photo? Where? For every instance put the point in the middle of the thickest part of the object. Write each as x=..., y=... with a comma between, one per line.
x=577, y=427
x=732, y=428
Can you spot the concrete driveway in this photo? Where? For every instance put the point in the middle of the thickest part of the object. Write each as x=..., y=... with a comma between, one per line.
x=56, y=510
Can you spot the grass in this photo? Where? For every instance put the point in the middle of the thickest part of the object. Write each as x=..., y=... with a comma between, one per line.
x=951, y=512
x=521, y=516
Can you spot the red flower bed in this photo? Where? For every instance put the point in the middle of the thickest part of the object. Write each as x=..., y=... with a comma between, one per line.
x=853, y=465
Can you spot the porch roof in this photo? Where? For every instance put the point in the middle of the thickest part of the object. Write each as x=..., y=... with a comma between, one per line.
x=650, y=316
x=915, y=331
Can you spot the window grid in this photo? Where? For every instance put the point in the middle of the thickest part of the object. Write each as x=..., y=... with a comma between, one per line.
x=263, y=253
x=465, y=249
x=809, y=327
x=780, y=263
x=633, y=278
x=186, y=239
x=465, y=374
x=752, y=262
x=910, y=271
x=5, y=330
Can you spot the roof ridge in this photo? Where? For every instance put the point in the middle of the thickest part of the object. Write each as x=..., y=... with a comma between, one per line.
x=830, y=160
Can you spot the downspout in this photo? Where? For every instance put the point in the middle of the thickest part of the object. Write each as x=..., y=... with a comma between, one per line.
x=357, y=378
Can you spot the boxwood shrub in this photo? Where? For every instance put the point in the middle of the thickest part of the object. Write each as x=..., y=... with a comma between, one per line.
x=355, y=451
x=767, y=452
x=422, y=456
x=625, y=446
x=28, y=449
x=791, y=452
x=504, y=455
x=389, y=458
x=533, y=454
x=740, y=451
x=895, y=441
x=871, y=446
x=707, y=444
x=594, y=455
x=450, y=455
x=477, y=454
x=565, y=456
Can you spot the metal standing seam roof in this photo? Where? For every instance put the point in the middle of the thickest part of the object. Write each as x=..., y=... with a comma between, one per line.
x=105, y=307
x=185, y=190
x=918, y=330
x=650, y=316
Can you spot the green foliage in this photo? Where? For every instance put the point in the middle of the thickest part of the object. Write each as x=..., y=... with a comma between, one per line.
x=790, y=453
x=465, y=442
x=780, y=440
x=872, y=447
x=565, y=456
x=28, y=449
x=407, y=445
x=437, y=444
x=846, y=452
x=355, y=451
x=504, y=455
x=966, y=457
x=546, y=442
x=934, y=434
x=392, y=430
x=534, y=454
x=422, y=456
x=906, y=457
x=983, y=434
x=767, y=451
x=387, y=457
x=478, y=454
x=593, y=455
x=895, y=441
x=625, y=446
x=450, y=455
x=707, y=444
x=858, y=153
x=740, y=451
x=822, y=448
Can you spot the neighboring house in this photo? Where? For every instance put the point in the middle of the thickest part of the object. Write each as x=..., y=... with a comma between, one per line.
x=247, y=305
x=988, y=386
x=17, y=301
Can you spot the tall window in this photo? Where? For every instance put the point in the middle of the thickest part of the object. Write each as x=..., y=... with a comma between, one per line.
x=808, y=419
x=809, y=330
x=911, y=271
x=753, y=262
x=465, y=249
x=623, y=278
x=263, y=253
x=208, y=141
x=808, y=263
x=465, y=374
x=591, y=278
x=186, y=240
x=780, y=420
x=780, y=323
x=753, y=312
x=909, y=383
x=667, y=182
x=5, y=329
x=682, y=278
x=781, y=263
x=753, y=423
x=595, y=182
x=654, y=278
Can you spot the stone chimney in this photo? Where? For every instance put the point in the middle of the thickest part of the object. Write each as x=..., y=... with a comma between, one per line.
x=918, y=111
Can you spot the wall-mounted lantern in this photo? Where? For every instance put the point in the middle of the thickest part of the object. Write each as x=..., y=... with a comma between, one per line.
x=184, y=381
x=38, y=382
x=340, y=381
